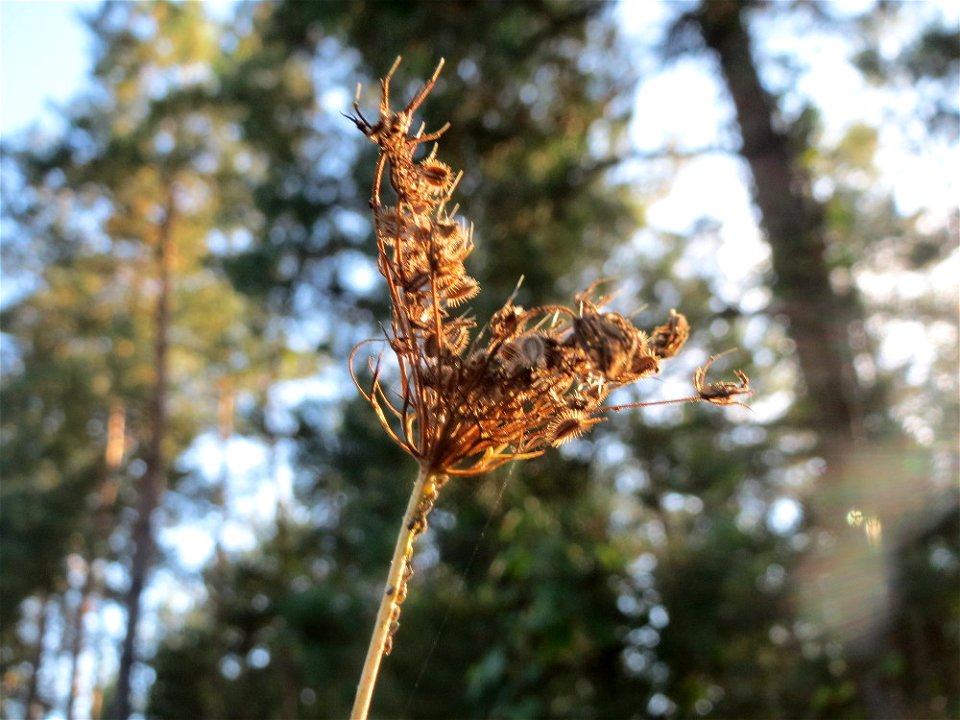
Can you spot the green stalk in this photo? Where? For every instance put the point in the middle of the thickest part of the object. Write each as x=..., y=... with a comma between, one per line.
x=414, y=522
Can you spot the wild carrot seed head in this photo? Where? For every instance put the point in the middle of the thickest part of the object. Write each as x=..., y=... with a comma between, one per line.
x=467, y=403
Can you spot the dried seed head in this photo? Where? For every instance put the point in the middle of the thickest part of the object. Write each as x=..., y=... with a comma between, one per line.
x=579, y=402
x=723, y=392
x=506, y=321
x=467, y=408
x=667, y=339
x=415, y=282
x=437, y=175
x=463, y=288
x=609, y=340
x=524, y=354
x=438, y=376
x=392, y=225
x=569, y=425
x=643, y=365
x=447, y=228
x=458, y=336
x=456, y=246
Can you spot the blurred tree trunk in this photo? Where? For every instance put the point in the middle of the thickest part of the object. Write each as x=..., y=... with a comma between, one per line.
x=819, y=318
x=796, y=231
x=106, y=497
x=34, y=703
x=76, y=645
x=287, y=657
x=153, y=480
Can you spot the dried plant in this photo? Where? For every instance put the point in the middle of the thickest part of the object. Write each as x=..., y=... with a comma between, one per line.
x=466, y=401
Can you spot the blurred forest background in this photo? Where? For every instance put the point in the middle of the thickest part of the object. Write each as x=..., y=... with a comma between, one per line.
x=197, y=510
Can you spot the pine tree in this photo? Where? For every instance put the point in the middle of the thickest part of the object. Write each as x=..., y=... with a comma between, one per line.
x=125, y=306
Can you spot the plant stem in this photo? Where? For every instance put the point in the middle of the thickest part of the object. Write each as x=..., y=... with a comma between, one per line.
x=413, y=520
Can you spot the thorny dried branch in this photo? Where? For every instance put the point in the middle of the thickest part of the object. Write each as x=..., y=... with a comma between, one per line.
x=467, y=401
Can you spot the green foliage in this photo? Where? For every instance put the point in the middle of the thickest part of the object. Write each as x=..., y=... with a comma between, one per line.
x=927, y=66
x=52, y=448
x=133, y=170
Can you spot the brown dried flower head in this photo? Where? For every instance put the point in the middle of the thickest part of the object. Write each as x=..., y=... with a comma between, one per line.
x=466, y=402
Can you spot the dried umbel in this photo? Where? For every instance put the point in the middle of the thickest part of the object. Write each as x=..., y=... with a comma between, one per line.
x=532, y=378
x=464, y=400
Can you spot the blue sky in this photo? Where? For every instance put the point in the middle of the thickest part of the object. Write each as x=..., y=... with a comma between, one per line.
x=44, y=57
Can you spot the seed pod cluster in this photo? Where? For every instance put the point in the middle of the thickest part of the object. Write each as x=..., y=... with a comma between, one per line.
x=463, y=402
x=466, y=402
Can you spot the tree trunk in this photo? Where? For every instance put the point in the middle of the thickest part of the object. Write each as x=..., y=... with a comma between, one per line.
x=819, y=318
x=795, y=228
x=288, y=661
x=113, y=456
x=34, y=703
x=289, y=692
x=76, y=644
x=153, y=480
